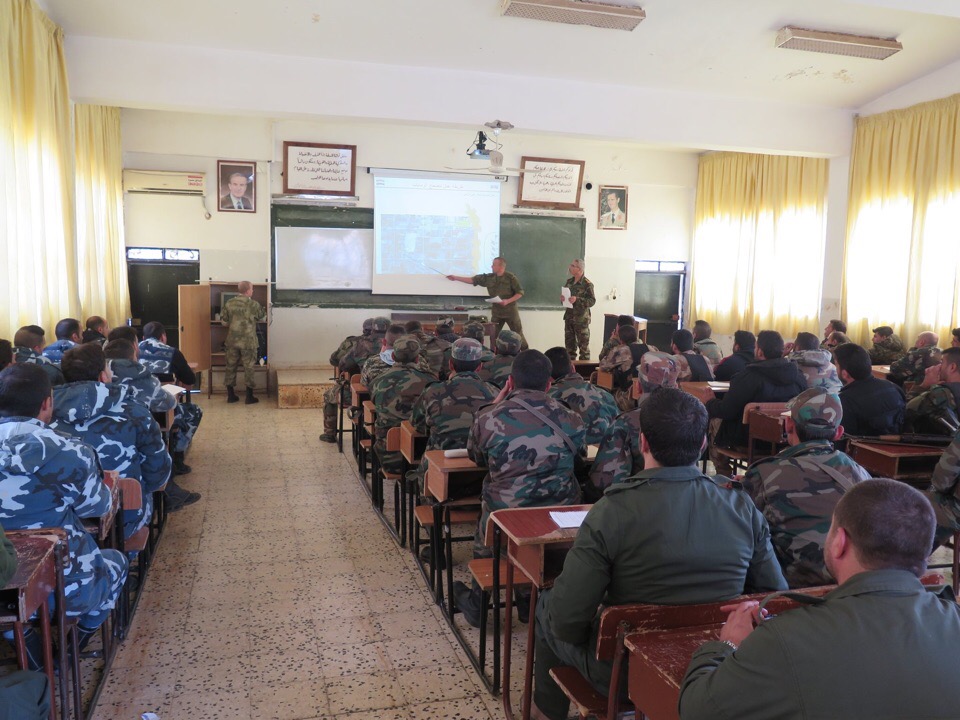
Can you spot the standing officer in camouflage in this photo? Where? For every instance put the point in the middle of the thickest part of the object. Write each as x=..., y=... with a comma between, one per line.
x=887, y=346
x=241, y=314
x=595, y=405
x=798, y=489
x=504, y=285
x=912, y=366
x=576, y=319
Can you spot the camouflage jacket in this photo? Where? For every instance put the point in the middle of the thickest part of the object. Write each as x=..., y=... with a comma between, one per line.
x=935, y=411
x=528, y=463
x=946, y=476
x=157, y=357
x=445, y=411
x=345, y=347
x=619, y=456
x=394, y=393
x=688, y=366
x=583, y=291
x=498, y=370
x=241, y=315
x=710, y=350
x=375, y=366
x=608, y=345
x=593, y=404
x=367, y=346
x=141, y=385
x=818, y=368
x=911, y=367
x=887, y=351
x=432, y=350
x=124, y=434
x=26, y=355
x=49, y=479
x=797, y=497
x=54, y=353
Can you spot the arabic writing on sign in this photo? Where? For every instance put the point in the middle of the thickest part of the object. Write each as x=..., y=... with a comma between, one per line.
x=555, y=182
x=327, y=169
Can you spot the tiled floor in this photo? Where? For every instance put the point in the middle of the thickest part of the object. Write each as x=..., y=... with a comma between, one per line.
x=280, y=595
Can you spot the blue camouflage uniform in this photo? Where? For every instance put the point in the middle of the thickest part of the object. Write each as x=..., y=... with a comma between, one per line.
x=54, y=353
x=26, y=355
x=158, y=358
x=141, y=385
x=124, y=434
x=51, y=480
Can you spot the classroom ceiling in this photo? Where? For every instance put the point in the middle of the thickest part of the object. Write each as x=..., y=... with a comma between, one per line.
x=708, y=46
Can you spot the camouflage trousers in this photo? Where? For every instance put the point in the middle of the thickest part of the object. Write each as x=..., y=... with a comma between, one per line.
x=576, y=333
x=186, y=419
x=237, y=354
x=90, y=618
x=340, y=392
x=133, y=520
x=947, y=512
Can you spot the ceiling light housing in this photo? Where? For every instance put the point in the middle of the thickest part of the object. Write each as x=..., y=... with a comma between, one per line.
x=575, y=12
x=832, y=43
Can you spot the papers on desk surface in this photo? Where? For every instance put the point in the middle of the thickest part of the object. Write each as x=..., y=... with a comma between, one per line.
x=568, y=518
x=722, y=385
x=565, y=294
x=458, y=453
x=172, y=389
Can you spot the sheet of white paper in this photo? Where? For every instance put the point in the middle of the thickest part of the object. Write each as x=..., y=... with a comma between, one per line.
x=458, y=453
x=173, y=389
x=568, y=518
x=494, y=299
x=565, y=294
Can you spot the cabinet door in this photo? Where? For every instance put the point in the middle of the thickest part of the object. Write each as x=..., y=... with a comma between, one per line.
x=195, y=321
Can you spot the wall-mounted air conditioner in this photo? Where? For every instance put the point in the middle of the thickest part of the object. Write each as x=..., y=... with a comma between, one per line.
x=164, y=182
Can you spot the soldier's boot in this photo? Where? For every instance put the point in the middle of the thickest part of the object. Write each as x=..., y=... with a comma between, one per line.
x=329, y=423
x=178, y=497
x=34, y=643
x=179, y=466
x=468, y=602
x=231, y=395
x=250, y=398
x=84, y=635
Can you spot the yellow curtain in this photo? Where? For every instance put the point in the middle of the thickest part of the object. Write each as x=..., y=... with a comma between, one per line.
x=902, y=257
x=37, y=257
x=101, y=260
x=758, y=242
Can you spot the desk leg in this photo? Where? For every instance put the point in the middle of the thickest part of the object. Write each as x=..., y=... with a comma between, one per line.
x=435, y=554
x=448, y=550
x=47, y=636
x=497, y=639
x=507, y=638
x=528, y=670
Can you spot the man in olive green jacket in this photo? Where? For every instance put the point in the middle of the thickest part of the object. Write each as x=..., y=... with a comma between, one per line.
x=667, y=535
x=842, y=656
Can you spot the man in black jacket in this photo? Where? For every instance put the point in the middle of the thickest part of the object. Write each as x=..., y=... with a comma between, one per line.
x=744, y=346
x=871, y=406
x=772, y=378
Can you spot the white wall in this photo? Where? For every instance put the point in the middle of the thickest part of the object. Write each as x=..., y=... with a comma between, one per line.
x=938, y=84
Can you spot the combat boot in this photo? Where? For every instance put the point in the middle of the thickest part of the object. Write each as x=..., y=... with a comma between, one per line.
x=231, y=395
x=250, y=398
x=329, y=423
x=179, y=466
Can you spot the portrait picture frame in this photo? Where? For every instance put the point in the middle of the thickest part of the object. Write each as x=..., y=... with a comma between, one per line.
x=229, y=171
x=616, y=217
x=319, y=169
x=550, y=183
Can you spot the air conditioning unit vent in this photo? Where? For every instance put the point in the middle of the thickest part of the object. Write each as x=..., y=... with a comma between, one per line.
x=164, y=182
x=575, y=12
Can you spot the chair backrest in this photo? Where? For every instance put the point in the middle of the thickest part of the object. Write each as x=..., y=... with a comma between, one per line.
x=393, y=439
x=768, y=407
x=132, y=493
x=369, y=412
x=605, y=379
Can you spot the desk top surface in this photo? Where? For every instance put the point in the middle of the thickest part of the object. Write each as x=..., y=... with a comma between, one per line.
x=900, y=450
x=437, y=459
x=534, y=526
x=32, y=552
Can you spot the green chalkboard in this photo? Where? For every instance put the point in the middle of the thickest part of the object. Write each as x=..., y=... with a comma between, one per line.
x=537, y=249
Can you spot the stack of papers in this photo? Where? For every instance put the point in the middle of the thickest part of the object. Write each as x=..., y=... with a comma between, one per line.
x=568, y=518
x=174, y=390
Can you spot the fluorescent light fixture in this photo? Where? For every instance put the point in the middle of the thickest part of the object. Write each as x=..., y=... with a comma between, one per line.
x=575, y=12
x=832, y=43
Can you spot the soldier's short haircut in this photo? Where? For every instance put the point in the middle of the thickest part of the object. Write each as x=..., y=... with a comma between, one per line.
x=627, y=334
x=770, y=343
x=814, y=432
x=839, y=326
x=530, y=371
x=839, y=338
x=395, y=331
x=559, y=362
x=413, y=326
x=883, y=331
x=83, y=363
x=702, y=330
x=120, y=349
x=889, y=523
x=28, y=337
x=501, y=260
x=951, y=355
x=6, y=353
x=683, y=339
x=674, y=424
x=854, y=359
x=95, y=322
x=626, y=320
x=123, y=332
x=23, y=388
x=578, y=263
x=244, y=285
x=154, y=329
x=66, y=328
x=745, y=340
x=465, y=365
x=956, y=334
x=806, y=341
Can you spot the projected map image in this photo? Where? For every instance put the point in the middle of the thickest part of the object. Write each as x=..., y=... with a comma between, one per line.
x=415, y=244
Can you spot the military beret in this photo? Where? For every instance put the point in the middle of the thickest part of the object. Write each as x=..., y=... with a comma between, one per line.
x=816, y=407
x=406, y=348
x=659, y=369
x=381, y=324
x=473, y=330
x=508, y=342
x=466, y=349
x=445, y=322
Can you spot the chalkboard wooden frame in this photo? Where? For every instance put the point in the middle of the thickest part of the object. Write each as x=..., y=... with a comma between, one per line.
x=315, y=186
x=527, y=196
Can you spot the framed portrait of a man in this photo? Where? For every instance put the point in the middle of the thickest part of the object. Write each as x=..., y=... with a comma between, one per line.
x=237, y=186
x=612, y=214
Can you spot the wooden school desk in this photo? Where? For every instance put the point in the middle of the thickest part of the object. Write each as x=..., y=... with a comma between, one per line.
x=913, y=464
x=880, y=371
x=412, y=447
x=766, y=425
x=585, y=368
x=699, y=389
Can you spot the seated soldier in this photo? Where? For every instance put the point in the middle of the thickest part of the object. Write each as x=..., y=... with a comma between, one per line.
x=797, y=489
x=945, y=491
x=122, y=431
x=595, y=405
x=432, y=348
x=622, y=363
x=935, y=411
x=28, y=346
x=394, y=393
x=912, y=366
x=705, y=345
x=6, y=353
x=619, y=456
x=955, y=334
x=508, y=345
x=445, y=331
x=887, y=346
x=772, y=378
x=834, y=326
x=348, y=358
x=614, y=339
x=826, y=658
x=68, y=335
x=529, y=443
x=871, y=406
x=815, y=363
x=376, y=365
x=669, y=535
x=693, y=366
x=96, y=331
x=835, y=339
x=49, y=479
x=744, y=353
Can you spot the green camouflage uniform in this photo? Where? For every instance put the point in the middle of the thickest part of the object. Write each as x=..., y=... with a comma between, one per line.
x=498, y=369
x=576, y=320
x=710, y=350
x=818, y=368
x=593, y=404
x=608, y=346
x=241, y=315
x=432, y=350
x=503, y=286
x=355, y=349
x=619, y=456
x=887, y=351
x=528, y=463
x=935, y=411
x=945, y=491
x=376, y=365
x=912, y=366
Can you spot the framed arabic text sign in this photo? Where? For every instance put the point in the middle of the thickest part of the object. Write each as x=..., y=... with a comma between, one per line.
x=319, y=168
x=550, y=183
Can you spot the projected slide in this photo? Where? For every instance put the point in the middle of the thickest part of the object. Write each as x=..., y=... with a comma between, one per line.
x=428, y=227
